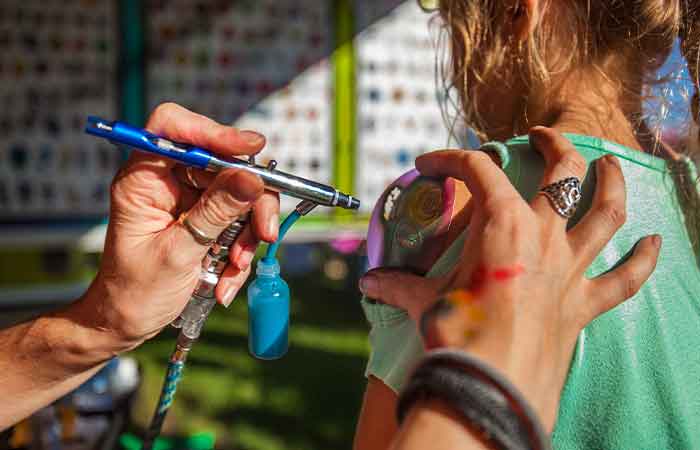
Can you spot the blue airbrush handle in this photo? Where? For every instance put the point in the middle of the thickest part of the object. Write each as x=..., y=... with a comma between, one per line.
x=122, y=133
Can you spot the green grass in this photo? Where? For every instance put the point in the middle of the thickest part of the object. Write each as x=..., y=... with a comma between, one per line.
x=307, y=400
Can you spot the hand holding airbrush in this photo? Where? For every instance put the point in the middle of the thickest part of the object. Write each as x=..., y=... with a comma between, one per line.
x=192, y=318
x=275, y=180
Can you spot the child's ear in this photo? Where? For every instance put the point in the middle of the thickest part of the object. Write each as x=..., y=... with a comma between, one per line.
x=525, y=16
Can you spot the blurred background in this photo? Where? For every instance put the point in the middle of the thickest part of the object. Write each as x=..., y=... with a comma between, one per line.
x=345, y=93
x=344, y=90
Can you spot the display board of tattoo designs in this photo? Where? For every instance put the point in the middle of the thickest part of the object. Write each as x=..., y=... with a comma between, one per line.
x=261, y=65
x=399, y=116
x=58, y=63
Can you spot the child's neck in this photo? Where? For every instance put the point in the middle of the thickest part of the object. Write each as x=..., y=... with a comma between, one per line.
x=596, y=107
x=617, y=128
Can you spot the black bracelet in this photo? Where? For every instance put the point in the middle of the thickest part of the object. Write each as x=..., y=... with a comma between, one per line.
x=483, y=397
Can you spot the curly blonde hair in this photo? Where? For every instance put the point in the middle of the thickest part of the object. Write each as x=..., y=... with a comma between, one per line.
x=639, y=32
x=600, y=35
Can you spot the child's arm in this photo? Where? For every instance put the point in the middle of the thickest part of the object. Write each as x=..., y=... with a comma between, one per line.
x=396, y=344
x=377, y=424
x=396, y=348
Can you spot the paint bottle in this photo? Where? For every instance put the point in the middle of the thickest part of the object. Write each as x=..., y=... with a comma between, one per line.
x=268, y=312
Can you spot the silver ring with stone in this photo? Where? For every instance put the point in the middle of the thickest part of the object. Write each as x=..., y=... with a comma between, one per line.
x=564, y=196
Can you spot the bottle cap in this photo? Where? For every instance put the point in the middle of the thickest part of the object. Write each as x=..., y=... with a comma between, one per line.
x=268, y=266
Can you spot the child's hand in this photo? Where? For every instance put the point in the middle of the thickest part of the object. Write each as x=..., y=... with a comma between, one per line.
x=519, y=297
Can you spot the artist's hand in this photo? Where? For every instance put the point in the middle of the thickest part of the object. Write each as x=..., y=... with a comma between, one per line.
x=151, y=262
x=519, y=298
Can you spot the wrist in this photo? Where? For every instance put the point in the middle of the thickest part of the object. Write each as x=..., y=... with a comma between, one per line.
x=482, y=396
x=65, y=345
x=112, y=311
x=433, y=424
x=108, y=328
x=539, y=381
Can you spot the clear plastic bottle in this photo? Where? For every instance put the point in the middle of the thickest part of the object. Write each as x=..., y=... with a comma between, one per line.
x=268, y=312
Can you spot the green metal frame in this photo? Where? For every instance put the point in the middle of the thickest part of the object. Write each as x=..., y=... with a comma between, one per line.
x=132, y=62
x=344, y=105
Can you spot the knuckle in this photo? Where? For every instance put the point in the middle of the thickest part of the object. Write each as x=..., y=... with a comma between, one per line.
x=503, y=210
x=472, y=158
x=216, y=209
x=632, y=283
x=573, y=162
x=241, y=186
x=613, y=213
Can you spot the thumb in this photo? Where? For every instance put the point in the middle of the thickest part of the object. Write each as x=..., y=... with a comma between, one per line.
x=402, y=289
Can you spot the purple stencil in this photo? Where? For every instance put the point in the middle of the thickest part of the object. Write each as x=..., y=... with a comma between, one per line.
x=375, y=232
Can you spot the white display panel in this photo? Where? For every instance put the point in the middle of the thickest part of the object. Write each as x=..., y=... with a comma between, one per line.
x=399, y=116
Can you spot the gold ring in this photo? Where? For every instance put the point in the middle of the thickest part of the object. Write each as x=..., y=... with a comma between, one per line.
x=190, y=178
x=196, y=233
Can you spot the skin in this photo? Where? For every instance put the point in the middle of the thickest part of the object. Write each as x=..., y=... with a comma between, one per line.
x=526, y=272
x=150, y=266
x=582, y=101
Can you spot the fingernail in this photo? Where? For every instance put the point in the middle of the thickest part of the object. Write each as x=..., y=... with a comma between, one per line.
x=229, y=295
x=612, y=159
x=369, y=285
x=536, y=133
x=657, y=240
x=252, y=137
x=273, y=227
x=245, y=258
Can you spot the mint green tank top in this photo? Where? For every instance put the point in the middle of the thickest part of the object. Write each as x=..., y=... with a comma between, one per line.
x=634, y=380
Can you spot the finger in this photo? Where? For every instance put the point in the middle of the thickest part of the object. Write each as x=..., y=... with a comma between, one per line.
x=441, y=326
x=484, y=179
x=612, y=288
x=401, y=289
x=561, y=161
x=174, y=122
x=230, y=284
x=189, y=197
x=453, y=320
x=266, y=216
x=193, y=177
x=228, y=198
x=607, y=213
x=243, y=249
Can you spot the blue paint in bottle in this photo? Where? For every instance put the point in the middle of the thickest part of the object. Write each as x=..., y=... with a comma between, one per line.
x=268, y=312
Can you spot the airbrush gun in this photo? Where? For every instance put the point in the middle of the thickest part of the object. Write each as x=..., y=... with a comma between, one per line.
x=274, y=180
x=192, y=318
